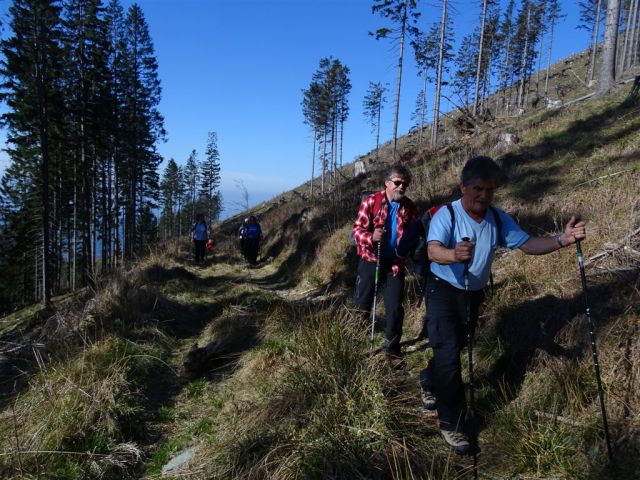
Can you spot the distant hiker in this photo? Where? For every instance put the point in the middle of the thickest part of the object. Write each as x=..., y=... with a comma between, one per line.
x=200, y=237
x=473, y=218
x=252, y=237
x=240, y=233
x=384, y=218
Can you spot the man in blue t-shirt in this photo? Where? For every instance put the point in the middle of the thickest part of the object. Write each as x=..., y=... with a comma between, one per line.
x=472, y=239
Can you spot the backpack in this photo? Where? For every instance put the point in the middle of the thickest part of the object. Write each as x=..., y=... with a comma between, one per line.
x=252, y=231
x=420, y=257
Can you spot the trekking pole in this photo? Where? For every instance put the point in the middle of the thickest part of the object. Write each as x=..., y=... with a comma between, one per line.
x=594, y=351
x=375, y=293
x=470, y=354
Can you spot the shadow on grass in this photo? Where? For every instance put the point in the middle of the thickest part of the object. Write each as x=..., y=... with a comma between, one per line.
x=579, y=139
x=532, y=326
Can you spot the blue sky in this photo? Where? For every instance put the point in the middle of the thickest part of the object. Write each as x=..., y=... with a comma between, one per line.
x=238, y=67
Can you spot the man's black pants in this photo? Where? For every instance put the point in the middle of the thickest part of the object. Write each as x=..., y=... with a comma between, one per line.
x=199, y=246
x=251, y=247
x=393, y=293
x=447, y=327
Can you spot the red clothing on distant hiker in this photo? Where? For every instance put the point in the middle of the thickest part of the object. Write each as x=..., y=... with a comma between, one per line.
x=368, y=220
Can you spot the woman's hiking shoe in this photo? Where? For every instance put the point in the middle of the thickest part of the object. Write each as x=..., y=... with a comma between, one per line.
x=428, y=400
x=456, y=441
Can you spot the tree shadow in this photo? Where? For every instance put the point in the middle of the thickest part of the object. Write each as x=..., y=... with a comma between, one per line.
x=579, y=138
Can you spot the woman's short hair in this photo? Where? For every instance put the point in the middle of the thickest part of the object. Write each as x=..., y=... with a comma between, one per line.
x=483, y=168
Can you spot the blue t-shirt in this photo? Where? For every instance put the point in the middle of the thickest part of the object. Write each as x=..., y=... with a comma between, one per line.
x=199, y=231
x=390, y=239
x=485, y=234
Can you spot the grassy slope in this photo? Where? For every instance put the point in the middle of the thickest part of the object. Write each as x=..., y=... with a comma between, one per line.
x=297, y=393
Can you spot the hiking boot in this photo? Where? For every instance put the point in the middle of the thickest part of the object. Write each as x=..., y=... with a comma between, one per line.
x=428, y=400
x=456, y=441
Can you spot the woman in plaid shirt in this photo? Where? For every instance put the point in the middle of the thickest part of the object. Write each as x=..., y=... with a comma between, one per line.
x=384, y=218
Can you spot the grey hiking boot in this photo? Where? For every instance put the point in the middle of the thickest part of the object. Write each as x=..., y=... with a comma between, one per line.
x=428, y=400
x=456, y=441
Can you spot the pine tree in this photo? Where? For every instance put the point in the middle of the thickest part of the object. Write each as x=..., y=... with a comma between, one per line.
x=142, y=126
x=444, y=56
x=505, y=39
x=554, y=13
x=192, y=180
x=314, y=113
x=32, y=91
x=591, y=19
x=210, y=177
x=425, y=48
x=372, y=106
x=481, y=50
x=403, y=15
x=466, y=72
x=325, y=108
x=169, y=192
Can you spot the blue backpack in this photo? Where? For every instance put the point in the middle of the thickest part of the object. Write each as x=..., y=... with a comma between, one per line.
x=252, y=231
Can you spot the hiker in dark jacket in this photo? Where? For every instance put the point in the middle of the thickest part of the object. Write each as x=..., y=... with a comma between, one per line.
x=383, y=219
x=473, y=219
x=200, y=237
x=252, y=237
x=240, y=234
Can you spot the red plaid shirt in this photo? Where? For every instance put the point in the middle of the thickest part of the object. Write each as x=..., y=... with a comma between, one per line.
x=366, y=223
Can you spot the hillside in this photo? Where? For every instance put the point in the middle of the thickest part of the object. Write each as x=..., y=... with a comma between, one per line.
x=294, y=390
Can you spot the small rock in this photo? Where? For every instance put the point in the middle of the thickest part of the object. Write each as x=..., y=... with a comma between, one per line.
x=178, y=461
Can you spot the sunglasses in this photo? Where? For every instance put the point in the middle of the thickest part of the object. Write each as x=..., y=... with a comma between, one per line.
x=397, y=183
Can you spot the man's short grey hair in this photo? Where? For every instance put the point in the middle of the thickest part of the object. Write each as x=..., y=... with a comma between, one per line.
x=397, y=170
x=483, y=168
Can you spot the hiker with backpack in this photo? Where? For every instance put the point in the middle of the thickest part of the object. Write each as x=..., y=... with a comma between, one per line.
x=252, y=237
x=240, y=234
x=383, y=219
x=200, y=237
x=461, y=243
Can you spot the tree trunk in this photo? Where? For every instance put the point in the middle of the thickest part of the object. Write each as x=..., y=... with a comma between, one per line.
x=523, y=63
x=324, y=159
x=546, y=78
x=399, y=81
x=436, y=103
x=480, y=45
x=594, y=41
x=539, y=65
x=313, y=163
x=423, y=104
x=607, y=76
x=623, y=60
x=378, y=130
x=634, y=37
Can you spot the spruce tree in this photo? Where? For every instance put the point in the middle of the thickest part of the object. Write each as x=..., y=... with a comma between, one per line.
x=403, y=16
x=192, y=180
x=32, y=68
x=425, y=48
x=210, y=177
x=142, y=127
x=372, y=106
